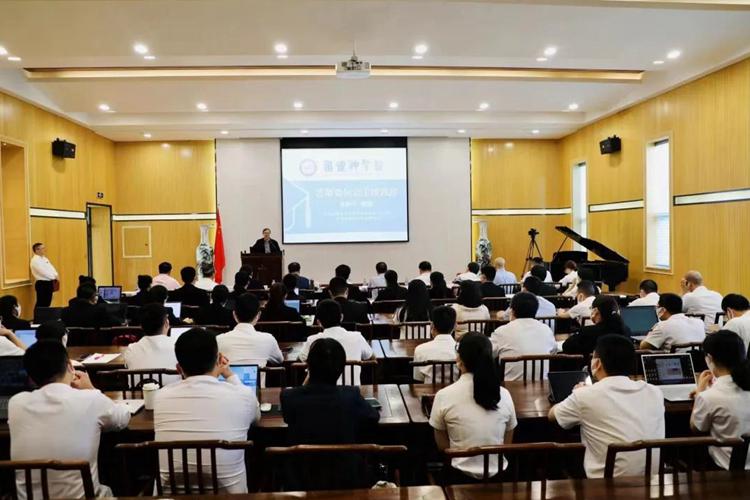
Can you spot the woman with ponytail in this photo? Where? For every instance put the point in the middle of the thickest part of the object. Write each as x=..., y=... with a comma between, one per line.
x=475, y=410
x=605, y=314
x=722, y=397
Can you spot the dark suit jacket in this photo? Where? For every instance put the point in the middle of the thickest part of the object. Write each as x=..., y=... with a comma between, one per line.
x=189, y=295
x=303, y=283
x=391, y=293
x=215, y=314
x=490, y=289
x=354, y=312
x=13, y=323
x=260, y=247
x=139, y=299
x=283, y=313
x=84, y=314
x=584, y=341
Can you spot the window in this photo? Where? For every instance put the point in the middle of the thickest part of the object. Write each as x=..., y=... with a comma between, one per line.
x=658, y=202
x=580, y=202
x=14, y=215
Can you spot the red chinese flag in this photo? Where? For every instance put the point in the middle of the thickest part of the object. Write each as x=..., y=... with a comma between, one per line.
x=219, y=259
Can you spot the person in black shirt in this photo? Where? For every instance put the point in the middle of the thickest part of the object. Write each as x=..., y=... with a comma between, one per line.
x=290, y=283
x=438, y=288
x=392, y=290
x=343, y=271
x=10, y=311
x=188, y=293
x=84, y=312
x=417, y=306
x=158, y=295
x=487, y=285
x=275, y=309
x=605, y=314
x=142, y=297
x=353, y=311
x=216, y=313
x=252, y=283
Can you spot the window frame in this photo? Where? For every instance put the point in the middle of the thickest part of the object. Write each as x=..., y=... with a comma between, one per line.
x=4, y=280
x=667, y=137
x=585, y=208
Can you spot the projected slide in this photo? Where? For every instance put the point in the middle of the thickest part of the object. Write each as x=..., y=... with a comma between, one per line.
x=344, y=194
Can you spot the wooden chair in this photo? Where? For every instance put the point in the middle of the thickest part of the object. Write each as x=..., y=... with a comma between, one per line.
x=411, y=330
x=496, y=303
x=687, y=346
x=549, y=321
x=275, y=376
x=120, y=335
x=281, y=330
x=442, y=372
x=78, y=336
x=44, y=466
x=132, y=381
x=207, y=481
x=316, y=467
x=367, y=368
x=720, y=318
x=511, y=288
x=676, y=448
x=386, y=306
x=365, y=329
x=699, y=316
x=485, y=326
x=562, y=362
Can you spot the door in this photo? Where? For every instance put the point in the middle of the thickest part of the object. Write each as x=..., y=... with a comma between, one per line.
x=99, y=220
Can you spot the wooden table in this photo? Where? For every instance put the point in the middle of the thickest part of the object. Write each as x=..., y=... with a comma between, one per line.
x=400, y=349
x=406, y=493
x=79, y=353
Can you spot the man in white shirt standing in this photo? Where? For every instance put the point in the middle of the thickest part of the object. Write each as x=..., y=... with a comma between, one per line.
x=647, y=294
x=45, y=275
x=613, y=409
x=155, y=349
x=62, y=420
x=585, y=295
x=164, y=278
x=329, y=316
x=471, y=273
x=737, y=316
x=503, y=276
x=425, y=269
x=697, y=299
x=674, y=327
x=244, y=344
x=442, y=347
x=377, y=281
x=524, y=335
x=202, y=407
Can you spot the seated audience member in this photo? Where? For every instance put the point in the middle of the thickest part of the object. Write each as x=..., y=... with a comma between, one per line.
x=354, y=312
x=10, y=345
x=425, y=269
x=442, y=347
x=471, y=273
x=290, y=284
x=155, y=349
x=201, y=407
x=252, y=283
x=142, y=297
x=545, y=289
x=546, y=308
x=503, y=276
x=537, y=261
x=722, y=396
x=586, y=293
x=241, y=279
x=84, y=312
x=343, y=272
x=164, y=277
x=10, y=314
x=487, y=283
x=206, y=282
x=737, y=316
x=613, y=409
x=54, y=331
x=244, y=344
x=302, y=282
x=276, y=310
x=571, y=273
x=475, y=410
x=523, y=336
x=188, y=293
x=417, y=306
x=606, y=319
x=216, y=313
x=647, y=294
x=392, y=290
x=61, y=420
x=439, y=288
x=378, y=281
x=697, y=299
x=469, y=306
x=159, y=295
x=329, y=316
x=674, y=327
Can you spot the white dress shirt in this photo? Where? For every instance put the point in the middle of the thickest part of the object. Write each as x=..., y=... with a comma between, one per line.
x=569, y=278
x=152, y=351
x=166, y=281
x=464, y=313
x=425, y=277
x=702, y=301
x=244, y=345
x=354, y=344
x=468, y=424
x=207, y=284
x=8, y=348
x=612, y=410
x=440, y=348
x=724, y=410
x=651, y=299
x=741, y=326
x=58, y=422
x=205, y=408
x=467, y=276
x=677, y=329
x=503, y=277
x=520, y=337
x=581, y=309
x=42, y=269
x=376, y=281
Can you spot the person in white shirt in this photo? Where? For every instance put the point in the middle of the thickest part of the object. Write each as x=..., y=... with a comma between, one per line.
x=62, y=420
x=202, y=407
x=737, y=316
x=425, y=269
x=524, y=335
x=10, y=345
x=475, y=410
x=722, y=395
x=503, y=276
x=328, y=315
x=674, y=327
x=697, y=299
x=537, y=261
x=647, y=294
x=471, y=273
x=571, y=274
x=442, y=347
x=613, y=409
x=206, y=281
x=45, y=275
x=546, y=309
x=164, y=278
x=585, y=295
x=469, y=306
x=155, y=349
x=378, y=281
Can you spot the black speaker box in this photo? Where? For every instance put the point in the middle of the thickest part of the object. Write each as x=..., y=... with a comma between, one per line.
x=610, y=145
x=63, y=149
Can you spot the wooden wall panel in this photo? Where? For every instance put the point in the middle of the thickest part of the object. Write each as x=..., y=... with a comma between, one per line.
x=622, y=231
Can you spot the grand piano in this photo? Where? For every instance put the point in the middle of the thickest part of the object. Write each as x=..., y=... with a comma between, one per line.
x=612, y=270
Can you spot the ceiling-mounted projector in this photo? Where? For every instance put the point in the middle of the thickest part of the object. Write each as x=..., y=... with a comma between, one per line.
x=353, y=68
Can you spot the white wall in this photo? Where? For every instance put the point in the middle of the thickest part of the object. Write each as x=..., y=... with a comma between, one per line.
x=249, y=199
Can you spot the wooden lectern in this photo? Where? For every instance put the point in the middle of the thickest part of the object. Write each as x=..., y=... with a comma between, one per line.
x=266, y=266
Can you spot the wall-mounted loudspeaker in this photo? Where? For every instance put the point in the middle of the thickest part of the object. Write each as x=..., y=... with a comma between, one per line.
x=63, y=149
x=610, y=145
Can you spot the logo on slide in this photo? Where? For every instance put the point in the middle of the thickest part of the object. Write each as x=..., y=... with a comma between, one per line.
x=308, y=167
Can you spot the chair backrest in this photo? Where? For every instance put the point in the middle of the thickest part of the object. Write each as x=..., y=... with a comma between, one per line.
x=189, y=311
x=557, y=361
x=496, y=303
x=366, y=329
x=275, y=376
x=678, y=448
x=279, y=329
x=315, y=467
x=511, y=288
x=720, y=318
x=485, y=326
x=108, y=335
x=130, y=382
x=44, y=466
x=182, y=449
x=367, y=369
x=442, y=372
x=44, y=314
x=699, y=316
x=687, y=346
x=411, y=330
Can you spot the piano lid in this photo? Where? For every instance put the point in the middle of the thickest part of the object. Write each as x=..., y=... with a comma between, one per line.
x=594, y=246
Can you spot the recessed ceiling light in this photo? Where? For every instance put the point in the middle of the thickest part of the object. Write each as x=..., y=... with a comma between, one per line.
x=461, y=131
x=550, y=51
x=393, y=105
x=202, y=106
x=509, y=145
x=147, y=135
x=104, y=107
x=303, y=131
x=673, y=54
x=483, y=106
x=420, y=48
x=14, y=58
x=535, y=131
x=541, y=59
x=383, y=130
x=140, y=48
x=298, y=104
x=572, y=106
x=224, y=132
x=165, y=145
x=417, y=57
x=280, y=48
x=3, y=51
x=149, y=57
x=658, y=62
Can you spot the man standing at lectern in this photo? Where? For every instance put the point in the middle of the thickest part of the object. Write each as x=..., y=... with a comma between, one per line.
x=266, y=244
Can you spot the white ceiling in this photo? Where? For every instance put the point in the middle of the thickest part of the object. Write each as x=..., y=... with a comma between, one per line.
x=589, y=34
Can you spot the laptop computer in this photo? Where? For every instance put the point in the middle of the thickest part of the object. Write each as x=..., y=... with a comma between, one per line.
x=561, y=384
x=13, y=379
x=28, y=337
x=176, y=332
x=672, y=373
x=110, y=294
x=249, y=375
x=294, y=304
x=176, y=308
x=640, y=319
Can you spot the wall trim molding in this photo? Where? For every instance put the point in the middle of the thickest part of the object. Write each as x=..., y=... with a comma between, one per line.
x=616, y=205
x=52, y=213
x=727, y=196
x=163, y=217
x=522, y=211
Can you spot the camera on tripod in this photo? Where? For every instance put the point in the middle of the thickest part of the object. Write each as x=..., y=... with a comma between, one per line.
x=533, y=233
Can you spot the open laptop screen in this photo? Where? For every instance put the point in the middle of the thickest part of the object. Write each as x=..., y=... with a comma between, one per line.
x=176, y=308
x=640, y=319
x=668, y=369
x=28, y=337
x=176, y=332
x=294, y=304
x=110, y=293
x=13, y=377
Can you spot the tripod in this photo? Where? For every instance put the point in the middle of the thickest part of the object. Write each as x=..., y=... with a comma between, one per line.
x=533, y=247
